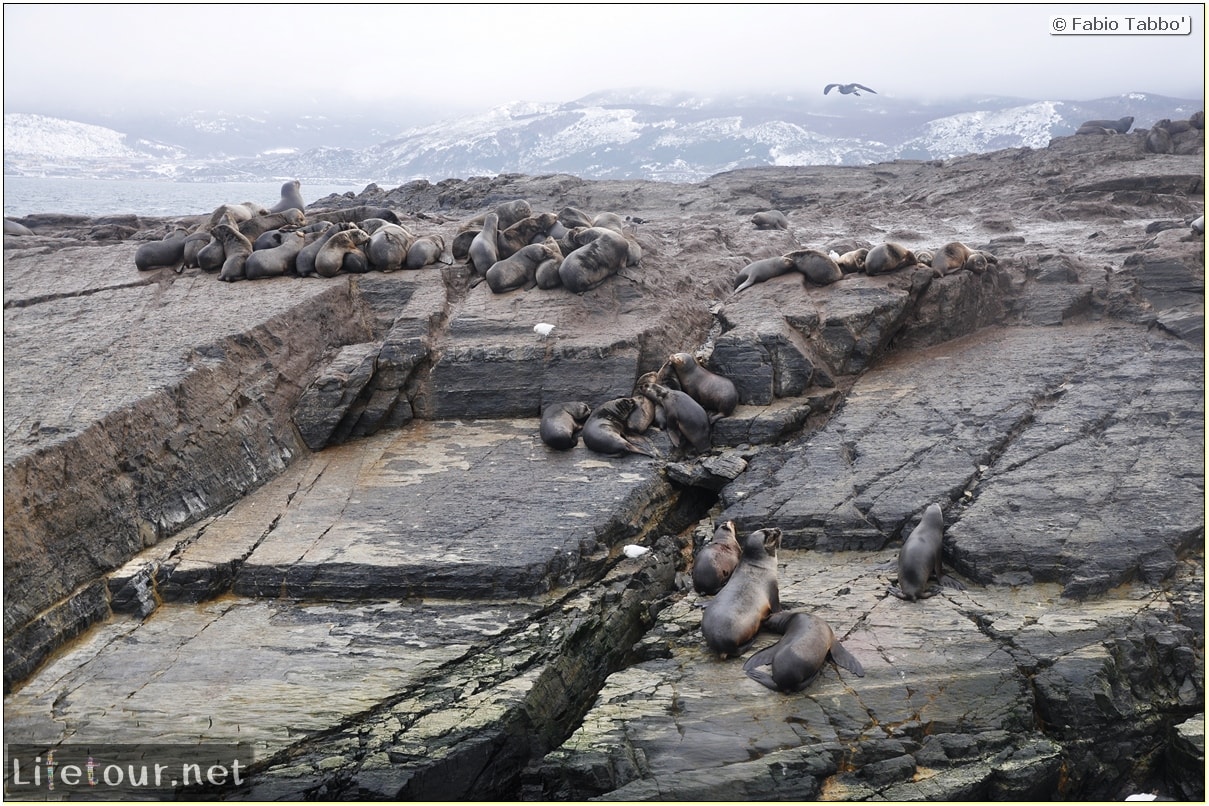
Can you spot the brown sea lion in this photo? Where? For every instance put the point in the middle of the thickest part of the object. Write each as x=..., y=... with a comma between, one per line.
x=816, y=266
x=716, y=561
x=601, y=253
x=166, y=252
x=343, y=252
x=520, y=270
x=484, y=249
x=761, y=270
x=256, y=226
x=425, y=251
x=852, y=262
x=684, y=420
x=605, y=429
x=715, y=393
x=562, y=422
x=279, y=260
x=733, y=619
x=532, y=229
x=236, y=249
x=798, y=657
x=388, y=246
x=888, y=257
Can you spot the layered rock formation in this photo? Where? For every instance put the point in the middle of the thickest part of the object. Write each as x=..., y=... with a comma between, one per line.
x=437, y=606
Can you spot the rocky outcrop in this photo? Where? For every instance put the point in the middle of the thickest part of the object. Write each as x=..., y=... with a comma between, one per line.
x=315, y=515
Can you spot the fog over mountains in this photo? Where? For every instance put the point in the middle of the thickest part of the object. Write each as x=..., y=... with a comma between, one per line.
x=621, y=134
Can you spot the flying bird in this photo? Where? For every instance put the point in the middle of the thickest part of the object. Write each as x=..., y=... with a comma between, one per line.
x=849, y=89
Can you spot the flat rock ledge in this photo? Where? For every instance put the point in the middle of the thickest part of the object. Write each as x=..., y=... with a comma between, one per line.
x=315, y=517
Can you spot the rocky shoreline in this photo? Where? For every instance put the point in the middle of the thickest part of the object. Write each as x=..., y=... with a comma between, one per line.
x=437, y=606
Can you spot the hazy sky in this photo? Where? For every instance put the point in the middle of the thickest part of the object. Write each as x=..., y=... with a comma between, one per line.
x=471, y=57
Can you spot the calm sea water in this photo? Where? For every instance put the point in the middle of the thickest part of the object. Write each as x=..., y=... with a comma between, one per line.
x=94, y=197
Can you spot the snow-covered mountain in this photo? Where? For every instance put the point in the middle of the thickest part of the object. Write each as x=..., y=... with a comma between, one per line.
x=610, y=135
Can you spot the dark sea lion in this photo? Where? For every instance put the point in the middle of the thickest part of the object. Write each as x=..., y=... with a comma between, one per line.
x=714, y=392
x=716, y=561
x=797, y=658
x=236, y=248
x=211, y=256
x=733, y=619
x=1197, y=119
x=510, y=212
x=304, y=264
x=158, y=254
x=601, y=254
x=816, y=266
x=270, y=240
x=684, y=419
x=532, y=229
x=1158, y=141
x=770, y=219
x=343, y=252
x=354, y=215
x=291, y=196
x=460, y=248
x=562, y=422
x=424, y=251
x=254, y=227
x=278, y=260
x=605, y=429
x=1120, y=126
x=761, y=270
x=919, y=558
x=193, y=245
x=520, y=270
x=388, y=246
x=484, y=249
x=572, y=217
x=888, y=257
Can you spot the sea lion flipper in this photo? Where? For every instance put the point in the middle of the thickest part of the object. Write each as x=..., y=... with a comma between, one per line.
x=761, y=658
x=950, y=582
x=763, y=678
x=846, y=659
x=894, y=590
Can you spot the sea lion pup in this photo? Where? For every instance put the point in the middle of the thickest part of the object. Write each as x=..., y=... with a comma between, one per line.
x=888, y=257
x=919, y=558
x=236, y=248
x=605, y=429
x=684, y=420
x=761, y=270
x=851, y=262
x=343, y=252
x=646, y=413
x=304, y=264
x=770, y=219
x=532, y=229
x=716, y=561
x=279, y=260
x=732, y=620
x=291, y=196
x=797, y=658
x=256, y=226
x=955, y=256
x=520, y=270
x=925, y=257
x=424, y=251
x=816, y=266
x=388, y=246
x=601, y=254
x=714, y=392
x=562, y=422
x=1120, y=126
x=166, y=252
x=484, y=249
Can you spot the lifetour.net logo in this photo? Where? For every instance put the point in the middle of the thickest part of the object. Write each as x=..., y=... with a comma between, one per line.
x=121, y=771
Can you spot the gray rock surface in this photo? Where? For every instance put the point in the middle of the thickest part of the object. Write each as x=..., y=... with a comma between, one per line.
x=315, y=515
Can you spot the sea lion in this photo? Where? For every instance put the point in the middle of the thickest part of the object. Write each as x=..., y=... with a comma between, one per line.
x=508, y=213
x=388, y=246
x=1120, y=126
x=601, y=254
x=770, y=219
x=520, y=270
x=1158, y=141
x=646, y=412
x=851, y=262
x=562, y=422
x=919, y=558
x=605, y=429
x=532, y=229
x=572, y=217
x=291, y=196
x=193, y=245
x=236, y=249
x=343, y=252
x=888, y=257
x=924, y=257
x=211, y=256
x=684, y=419
x=254, y=227
x=714, y=392
x=955, y=256
x=270, y=240
x=16, y=228
x=278, y=260
x=166, y=252
x=424, y=251
x=799, y=656
x=304, y=264
x=817, y=267
x=354, y=215
x=716, y=561
x=733, y=619
x=484, y=249
x=237, y=213
x=460, y=248
x=609, y=221
x=762, y=270
x=1197, y=119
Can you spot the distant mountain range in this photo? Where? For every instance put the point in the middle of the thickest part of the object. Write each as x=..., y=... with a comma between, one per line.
x=623, y=134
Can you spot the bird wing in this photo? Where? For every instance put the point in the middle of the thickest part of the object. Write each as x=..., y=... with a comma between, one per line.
x=866, y=89
x=830, y=87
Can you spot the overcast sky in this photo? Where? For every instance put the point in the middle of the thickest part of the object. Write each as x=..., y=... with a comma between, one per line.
x=441, y=58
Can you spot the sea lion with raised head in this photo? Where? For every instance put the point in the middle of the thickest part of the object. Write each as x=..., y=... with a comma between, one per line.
x=1119, y=126
x=761, y=270
x=291, y=196
x=236, y=249
x=484, y=249
x=304, y=264
x=716, y=561
x=684, y=419
x=733, y=619
x=919, y=558
x=166, y=252
x=714, y=392
x=562, y=422
x=799, y=656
